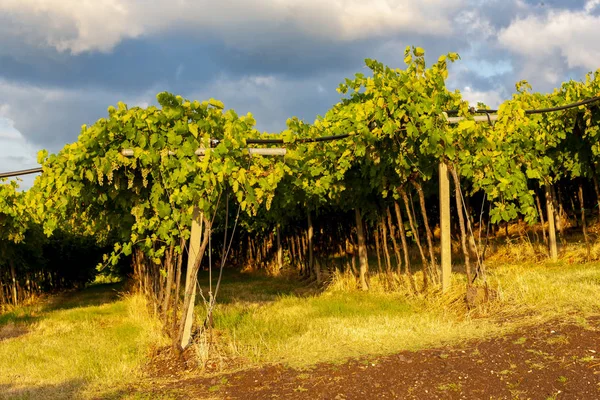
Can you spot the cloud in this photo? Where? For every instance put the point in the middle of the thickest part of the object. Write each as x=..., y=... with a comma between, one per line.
x=78, y=26
x=49, y=117
x=556, y=41
x=64, y=61
x=16, y=152
x=36, y=117
x=475, y=24
x=491, y=98
x=71, y=25
x=273, y=99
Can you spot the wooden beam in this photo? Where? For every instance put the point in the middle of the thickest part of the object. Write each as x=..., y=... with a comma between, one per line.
x=270, y=151
x=477, y=118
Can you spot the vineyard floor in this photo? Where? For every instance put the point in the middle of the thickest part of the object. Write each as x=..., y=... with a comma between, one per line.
x=538, y=339
x=554, y=360
x=280, y=320
x=80, y=344
x=282, y=337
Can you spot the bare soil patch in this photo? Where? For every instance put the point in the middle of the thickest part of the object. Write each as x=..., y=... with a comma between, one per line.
x=12, y=330
x=551, y=361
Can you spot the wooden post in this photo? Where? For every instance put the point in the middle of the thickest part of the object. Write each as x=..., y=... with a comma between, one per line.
x=362, y=250
x=309, y=241
x=279, y=249
x=193, y=249
x=551, y=227
x=445, y=246
x=14, y=281
x=583, y=221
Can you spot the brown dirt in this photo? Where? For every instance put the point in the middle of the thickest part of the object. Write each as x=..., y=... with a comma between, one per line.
x=12, y=330
x=551, y=361
x=167, y=364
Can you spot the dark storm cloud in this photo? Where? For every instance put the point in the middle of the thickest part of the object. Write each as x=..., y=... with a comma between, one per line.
x=137, y=64
x=137, y=69
x=133, y=65
x=275, y=72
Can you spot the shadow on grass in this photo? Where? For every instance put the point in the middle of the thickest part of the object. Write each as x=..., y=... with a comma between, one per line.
x=15, y=322
x=18, y=317
x=256, y=287
x=259, y=287
x=94, y=295
x=67, y=390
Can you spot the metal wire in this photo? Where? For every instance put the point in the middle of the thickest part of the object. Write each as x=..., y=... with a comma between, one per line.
x=337, y=137
x=539, y=110
x=305, y=140
x=213, y=142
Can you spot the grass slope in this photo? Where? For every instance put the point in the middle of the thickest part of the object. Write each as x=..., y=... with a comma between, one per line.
x=91, y=344
x=274, y=320
x=80, y=345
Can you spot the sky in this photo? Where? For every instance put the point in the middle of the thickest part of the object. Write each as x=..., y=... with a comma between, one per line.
x=63, y=62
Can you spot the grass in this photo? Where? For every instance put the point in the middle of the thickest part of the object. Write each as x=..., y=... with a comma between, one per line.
x=301, y=328
x=551, y=290
x=81, y=345
x=92, y=343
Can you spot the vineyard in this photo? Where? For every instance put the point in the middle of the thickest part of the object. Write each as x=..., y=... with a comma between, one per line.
x=163, y=193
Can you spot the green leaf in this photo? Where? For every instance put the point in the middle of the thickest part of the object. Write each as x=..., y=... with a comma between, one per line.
x=193, y=129
x=216, y=103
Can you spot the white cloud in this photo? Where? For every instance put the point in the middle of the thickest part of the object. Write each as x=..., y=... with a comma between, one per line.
x=75, y=25
x=16, y=152
x=491, y=98
x=591, y=5
x=571, y=35
x=475, y=25
x=99, y=25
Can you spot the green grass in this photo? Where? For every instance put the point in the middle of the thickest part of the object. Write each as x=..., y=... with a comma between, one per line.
x=92, y=343
x=301, y=328
x=80, y=345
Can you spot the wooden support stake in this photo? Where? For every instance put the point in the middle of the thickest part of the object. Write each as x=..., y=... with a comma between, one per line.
x=445, y=246
x=279, y=249
x=309, y=241
x=551, y=226
x=193, y=249
x=362, y=250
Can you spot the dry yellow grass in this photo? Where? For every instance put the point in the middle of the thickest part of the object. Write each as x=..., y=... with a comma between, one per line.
x=89, y=346
x=345, y=322
x=83, y=348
